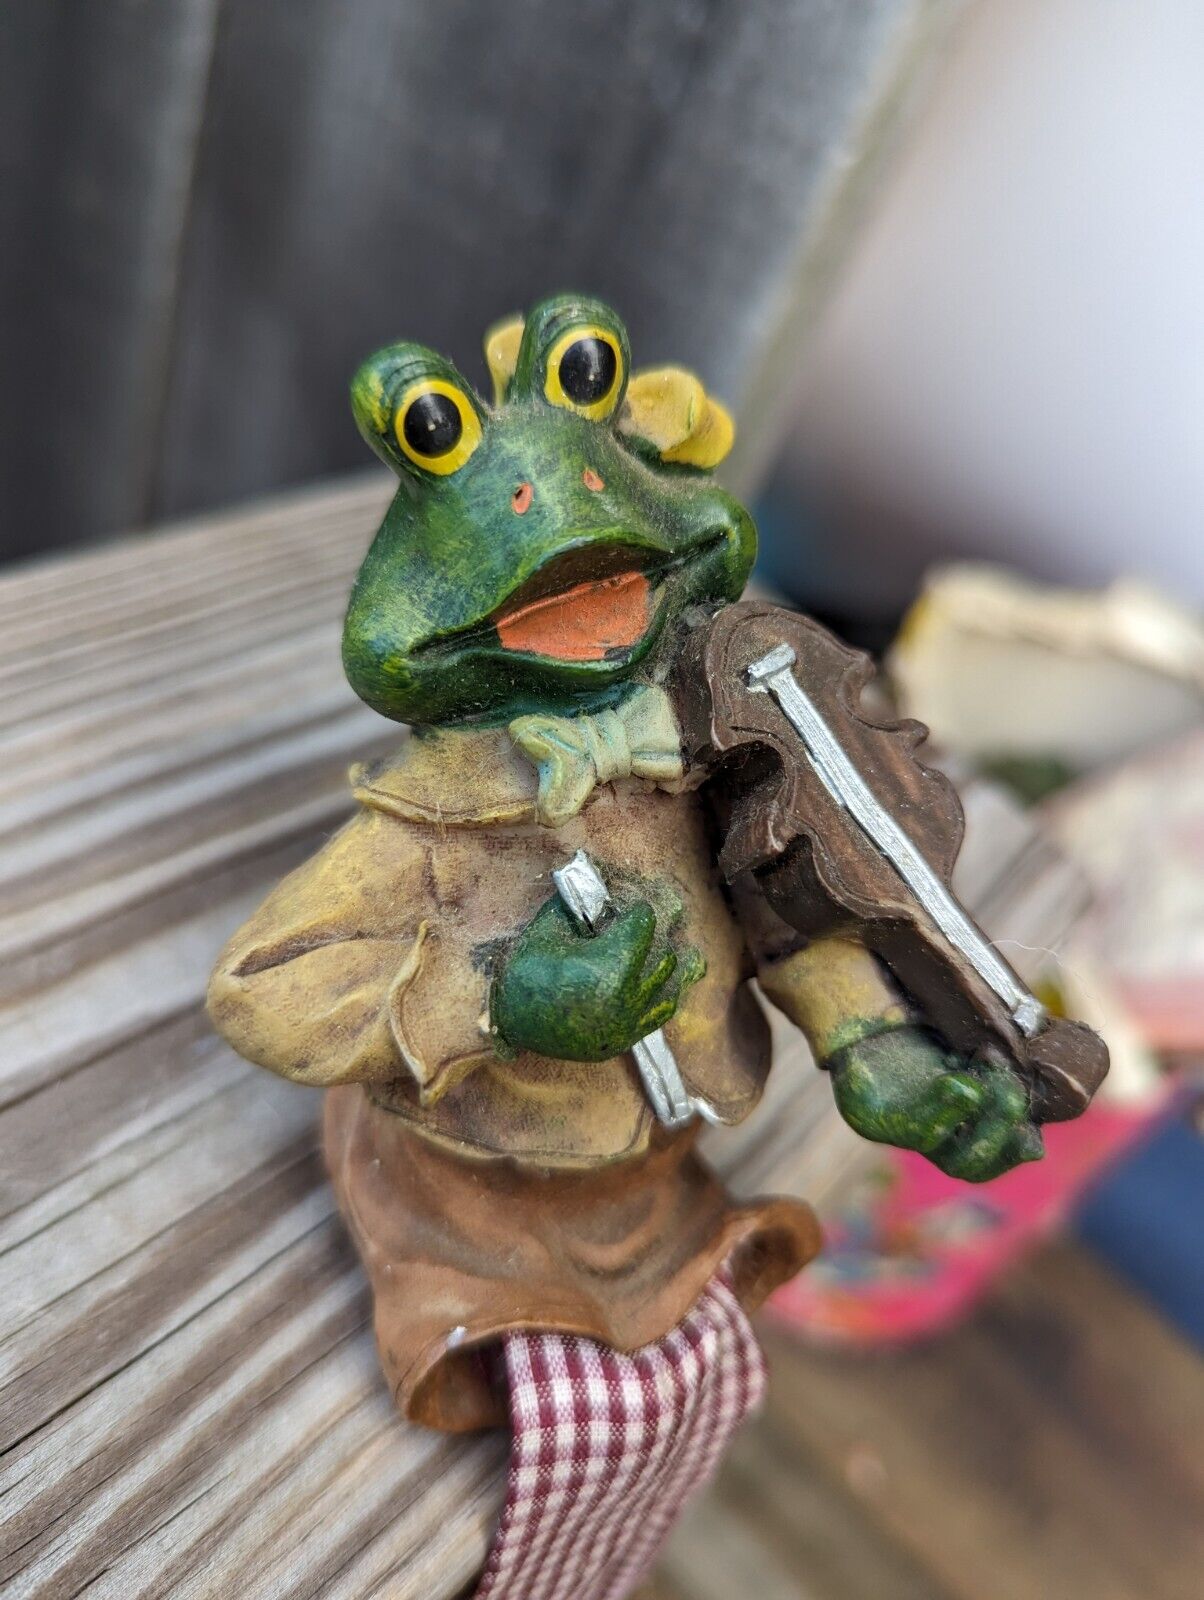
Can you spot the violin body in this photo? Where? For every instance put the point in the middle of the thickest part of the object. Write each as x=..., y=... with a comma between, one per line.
x=786, y=826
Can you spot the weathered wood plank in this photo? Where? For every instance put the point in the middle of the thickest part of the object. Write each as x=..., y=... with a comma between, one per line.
x=189, y=1400
x=779, y=1524
x=1051, y=1447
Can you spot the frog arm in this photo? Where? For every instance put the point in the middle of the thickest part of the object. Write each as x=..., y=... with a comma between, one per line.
x=835, y=992
x=348, y=972
x=894, y=1080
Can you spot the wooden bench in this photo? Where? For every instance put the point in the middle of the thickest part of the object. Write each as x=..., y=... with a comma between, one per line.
x=191, y=1401
x=189, y=1398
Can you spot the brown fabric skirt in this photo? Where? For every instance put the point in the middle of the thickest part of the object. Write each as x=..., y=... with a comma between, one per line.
x=461, y=1251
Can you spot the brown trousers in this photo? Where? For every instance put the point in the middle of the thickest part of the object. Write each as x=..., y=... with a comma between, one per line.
x=460, y=1251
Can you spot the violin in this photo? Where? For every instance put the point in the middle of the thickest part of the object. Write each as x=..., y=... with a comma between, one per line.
x=823, y=803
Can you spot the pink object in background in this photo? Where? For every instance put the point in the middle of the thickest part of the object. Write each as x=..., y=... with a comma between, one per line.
x=911, y=1251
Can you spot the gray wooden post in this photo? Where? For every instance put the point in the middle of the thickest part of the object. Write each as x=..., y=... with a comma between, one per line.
x=214, y=209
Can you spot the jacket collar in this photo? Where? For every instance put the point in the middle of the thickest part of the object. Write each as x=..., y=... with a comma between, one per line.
x=544, y=767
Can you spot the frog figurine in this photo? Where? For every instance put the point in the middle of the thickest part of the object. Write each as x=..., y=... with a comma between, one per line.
x=491, y=1143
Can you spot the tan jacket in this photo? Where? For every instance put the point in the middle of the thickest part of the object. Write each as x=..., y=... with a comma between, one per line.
x=371, y=962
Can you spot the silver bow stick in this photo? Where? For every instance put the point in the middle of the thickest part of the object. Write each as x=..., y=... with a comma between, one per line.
x=588, y=902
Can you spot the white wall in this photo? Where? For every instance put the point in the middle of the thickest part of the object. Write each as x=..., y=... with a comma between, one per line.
x=1016, y=353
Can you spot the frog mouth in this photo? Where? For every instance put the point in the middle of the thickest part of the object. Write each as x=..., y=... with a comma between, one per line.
x=596, y=602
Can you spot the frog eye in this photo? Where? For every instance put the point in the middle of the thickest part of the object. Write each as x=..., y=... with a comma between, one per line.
x=436, y=425
x=585, y=371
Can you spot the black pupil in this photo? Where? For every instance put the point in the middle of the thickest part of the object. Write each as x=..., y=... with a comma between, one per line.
x=587, y=371
x=432, y=424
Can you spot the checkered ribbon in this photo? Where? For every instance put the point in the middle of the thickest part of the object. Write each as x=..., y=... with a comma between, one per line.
x=608, y=1448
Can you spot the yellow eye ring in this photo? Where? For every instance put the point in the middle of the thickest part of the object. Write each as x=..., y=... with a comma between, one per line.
x=436, y=425
x=592, y=378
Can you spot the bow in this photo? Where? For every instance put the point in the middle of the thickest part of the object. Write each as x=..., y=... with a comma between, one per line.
x=637, y=738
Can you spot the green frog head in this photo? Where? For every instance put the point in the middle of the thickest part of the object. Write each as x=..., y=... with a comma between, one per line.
x=538, y=550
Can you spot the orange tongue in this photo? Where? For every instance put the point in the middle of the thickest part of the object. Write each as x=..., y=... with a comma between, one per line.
x=583, y=622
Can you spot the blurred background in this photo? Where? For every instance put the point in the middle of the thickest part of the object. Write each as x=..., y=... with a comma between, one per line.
x=1010, y=365
x=945, y=261
x=222, y=205
x=977, y=329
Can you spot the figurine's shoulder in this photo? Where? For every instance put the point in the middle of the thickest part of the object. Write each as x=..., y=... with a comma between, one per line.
x=451, y=777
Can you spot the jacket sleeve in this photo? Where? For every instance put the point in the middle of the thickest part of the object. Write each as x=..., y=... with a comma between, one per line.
x=835, y=991
x=349, y=972
x=831, y=987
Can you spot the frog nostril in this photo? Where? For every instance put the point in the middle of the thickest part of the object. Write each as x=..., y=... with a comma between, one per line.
x=591, y=480
x=520, y=500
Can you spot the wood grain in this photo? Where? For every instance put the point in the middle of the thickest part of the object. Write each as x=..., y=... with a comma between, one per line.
x=1051, y=1447
x=189, y=1397
x=190, y=1404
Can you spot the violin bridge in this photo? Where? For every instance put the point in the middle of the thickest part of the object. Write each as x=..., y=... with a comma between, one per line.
x=772, y=674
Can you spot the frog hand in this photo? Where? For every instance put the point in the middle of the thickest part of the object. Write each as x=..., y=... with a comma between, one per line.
x=588, y=997
x=971, y=1119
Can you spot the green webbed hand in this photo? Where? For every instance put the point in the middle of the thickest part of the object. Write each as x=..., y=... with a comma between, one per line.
x=971, y=1119
x=588, y=997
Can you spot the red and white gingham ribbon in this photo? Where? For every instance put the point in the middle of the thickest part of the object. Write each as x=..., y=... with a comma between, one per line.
x=608, y=1448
